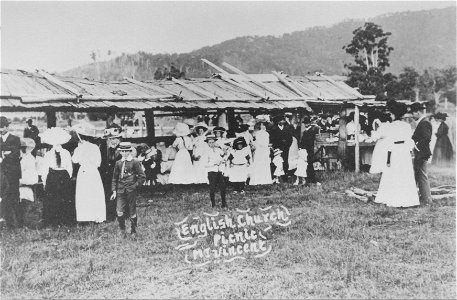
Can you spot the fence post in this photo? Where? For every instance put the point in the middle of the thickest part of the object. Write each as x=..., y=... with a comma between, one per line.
x=357, y=149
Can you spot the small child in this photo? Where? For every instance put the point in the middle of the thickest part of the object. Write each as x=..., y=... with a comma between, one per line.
x=239, y=159
x=128, y=175
x=278, y=162
x=302, y=165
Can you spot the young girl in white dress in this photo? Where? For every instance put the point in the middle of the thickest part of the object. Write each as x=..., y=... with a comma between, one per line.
x=199, y=150
x=302, y=165
x=181, y=171
x=239, y=158
x=278, y=162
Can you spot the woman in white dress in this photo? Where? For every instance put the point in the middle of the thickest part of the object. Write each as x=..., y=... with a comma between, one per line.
x=398, y=187
x=200, y=148
x=90, y=194
x=260, y=170
x=378, y=160
x=181, y=171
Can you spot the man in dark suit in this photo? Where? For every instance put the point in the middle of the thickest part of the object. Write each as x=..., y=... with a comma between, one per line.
x=281, y=138
x=421, y=137
x=10, y=146
x=31, y=131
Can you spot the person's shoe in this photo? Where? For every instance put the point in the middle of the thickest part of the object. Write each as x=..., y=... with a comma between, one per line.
x=242, y=192
x=296, y=183
x=235, y=192
x=318, y=183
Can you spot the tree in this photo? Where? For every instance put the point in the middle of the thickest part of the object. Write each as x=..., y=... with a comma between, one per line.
x=409, y=84
x=436, y=82
x=371, y=56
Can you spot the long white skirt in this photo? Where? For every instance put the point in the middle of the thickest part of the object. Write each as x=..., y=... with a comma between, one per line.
x=182, y=171
x=379, y=158
x=260, y=170
x=90, y=196
x=201, y=173
x=398, y=187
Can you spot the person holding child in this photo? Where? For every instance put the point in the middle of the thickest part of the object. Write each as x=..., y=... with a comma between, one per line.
x=128, y=175
x=239, y=159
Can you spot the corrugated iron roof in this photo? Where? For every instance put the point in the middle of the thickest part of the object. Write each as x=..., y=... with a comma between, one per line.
x=21, y=90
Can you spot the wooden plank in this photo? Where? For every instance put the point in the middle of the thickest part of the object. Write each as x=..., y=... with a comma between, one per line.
x=250, y=78
x=357, y=146
x=59, y=83
x=214, y=66
x=151, y=87
x=344, y=87
x=195, y=89
x=243, y=86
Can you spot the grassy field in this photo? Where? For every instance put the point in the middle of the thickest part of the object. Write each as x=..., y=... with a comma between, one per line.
x=336, y=247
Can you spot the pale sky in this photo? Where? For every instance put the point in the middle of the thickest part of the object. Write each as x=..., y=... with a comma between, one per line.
x=57, y=36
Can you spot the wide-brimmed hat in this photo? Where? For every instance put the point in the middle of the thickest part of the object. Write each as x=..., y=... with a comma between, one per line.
x=55, y=136
x=112, y=132
x=189, y=122
x=440, y=115
x=150, y=152
x=219, y=129
x=211, y=137
x=277, y=119
x=4, y=122
x=125, y=146
x=239, y=140
x=28, y=142
x=201, y=125
x=181, y=129
x=84, y=128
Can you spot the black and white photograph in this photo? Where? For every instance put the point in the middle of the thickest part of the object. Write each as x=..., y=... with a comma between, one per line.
x=228, y=149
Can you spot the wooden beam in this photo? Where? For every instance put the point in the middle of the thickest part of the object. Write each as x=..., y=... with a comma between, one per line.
x=214, y=66
x=150, y=124
x=60, y=83
x=250, y=78
x=51, y=119
x=243, y=86
x=290, y=85
x=357, y=146
x=344, y=87
x=195, y=89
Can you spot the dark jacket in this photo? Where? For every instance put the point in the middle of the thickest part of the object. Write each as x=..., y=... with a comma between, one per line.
x=421, y=137
x=133, y=176
x=11, y=164
x=31, y=132
x=281, y=139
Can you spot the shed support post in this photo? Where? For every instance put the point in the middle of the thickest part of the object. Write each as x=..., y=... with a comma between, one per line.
x=357, y=148
x=150, y=125
x=231, y=118
x=51, y=119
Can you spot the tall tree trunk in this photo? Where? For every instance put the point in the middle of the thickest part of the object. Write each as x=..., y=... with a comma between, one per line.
x=416, y=92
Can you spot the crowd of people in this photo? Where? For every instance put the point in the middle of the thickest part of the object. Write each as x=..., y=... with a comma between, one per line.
x=88, y=179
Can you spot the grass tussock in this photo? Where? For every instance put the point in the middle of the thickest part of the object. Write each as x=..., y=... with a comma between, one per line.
x=336, y=247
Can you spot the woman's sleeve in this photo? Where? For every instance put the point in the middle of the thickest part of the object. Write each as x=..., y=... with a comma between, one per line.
x=76, y=155
x=46, y=166
x=69, y=164
x=98, y=157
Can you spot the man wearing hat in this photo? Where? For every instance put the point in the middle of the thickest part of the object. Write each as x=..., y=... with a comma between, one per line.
x=10, y=147
x=128, y=175
x=110, y=154
x=32, y=132
x=281, y=138
x=422, y=137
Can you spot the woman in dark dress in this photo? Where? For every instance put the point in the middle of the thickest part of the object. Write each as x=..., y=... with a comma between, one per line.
x=442, y=154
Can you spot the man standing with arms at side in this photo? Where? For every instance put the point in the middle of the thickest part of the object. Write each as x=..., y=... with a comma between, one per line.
x=421, y=137
x=10, y=146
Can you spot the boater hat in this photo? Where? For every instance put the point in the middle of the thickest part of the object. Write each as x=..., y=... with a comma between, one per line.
x=211, y=137
x=125, y=146
x=181, y=129
x=219, y=128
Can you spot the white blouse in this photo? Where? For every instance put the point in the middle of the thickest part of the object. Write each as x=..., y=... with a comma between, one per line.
x=50, y=162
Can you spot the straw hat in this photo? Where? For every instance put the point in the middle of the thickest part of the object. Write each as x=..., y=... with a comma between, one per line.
x=219, y=129
x=84, y=128
x=201, y=125
x=181, y=129
x=211, y=137
x=239, y=140
x=189, y=122
x=55, y=136
x=28, y=142
x=125, y=146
